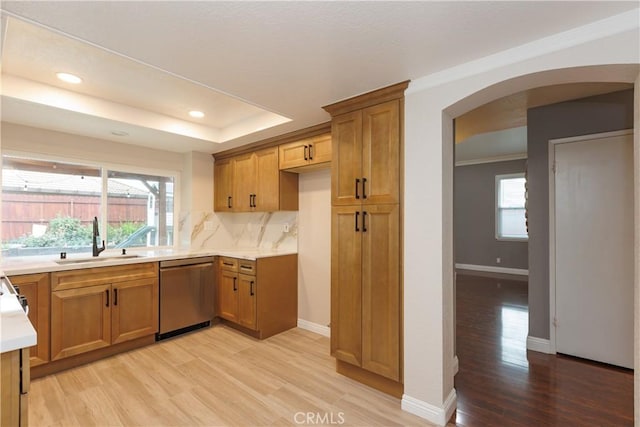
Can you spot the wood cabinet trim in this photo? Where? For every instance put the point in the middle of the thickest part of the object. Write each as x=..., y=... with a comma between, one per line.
x=276, y=140
x=379, y=96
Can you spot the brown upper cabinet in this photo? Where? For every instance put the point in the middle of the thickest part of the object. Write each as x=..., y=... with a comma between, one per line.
x=366, y=155
x=223, y=185
x=306, y=154
x=253, y=182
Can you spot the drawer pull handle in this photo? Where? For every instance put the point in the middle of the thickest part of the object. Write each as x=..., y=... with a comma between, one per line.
x=305, y=153
x=356, y=221
x=230, y=264
x=251, y=288
x=115, y=296
x=107, y=305
x=310, y=151
x=229, y=202
x=357, y=184
x=235, y=287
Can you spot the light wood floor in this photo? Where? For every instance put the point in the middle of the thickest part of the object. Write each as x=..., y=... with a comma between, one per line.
x=213, y=377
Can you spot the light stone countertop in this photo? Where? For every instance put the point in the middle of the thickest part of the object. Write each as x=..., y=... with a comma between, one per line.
x=16, y=330
x=47, y=263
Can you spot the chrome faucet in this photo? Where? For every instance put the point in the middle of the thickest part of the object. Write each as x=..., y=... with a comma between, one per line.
x=96, y=238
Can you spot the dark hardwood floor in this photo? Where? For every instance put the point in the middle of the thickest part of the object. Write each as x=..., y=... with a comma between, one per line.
x=499, y=383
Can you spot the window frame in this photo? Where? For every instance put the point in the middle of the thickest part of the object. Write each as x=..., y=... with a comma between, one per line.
x=498, y=209
x=105, y=168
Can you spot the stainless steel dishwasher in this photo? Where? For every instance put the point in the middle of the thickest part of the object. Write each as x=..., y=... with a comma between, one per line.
x=186, y=295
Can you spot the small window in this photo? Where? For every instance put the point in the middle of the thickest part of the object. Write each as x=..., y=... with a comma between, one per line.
x=510, y=207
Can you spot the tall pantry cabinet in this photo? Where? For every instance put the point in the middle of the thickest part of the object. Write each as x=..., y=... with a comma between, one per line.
x=366, y=258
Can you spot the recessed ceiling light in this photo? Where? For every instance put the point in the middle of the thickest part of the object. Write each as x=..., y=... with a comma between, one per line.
x=69, y=78
x=119, y=133
x=197, y=114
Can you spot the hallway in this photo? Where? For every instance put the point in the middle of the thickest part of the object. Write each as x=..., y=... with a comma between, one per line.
x=500, y=383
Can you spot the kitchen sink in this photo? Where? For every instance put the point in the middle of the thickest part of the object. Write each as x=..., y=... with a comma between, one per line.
x=94, y=259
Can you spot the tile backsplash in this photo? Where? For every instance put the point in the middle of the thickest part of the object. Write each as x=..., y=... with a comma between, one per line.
x=250, y=230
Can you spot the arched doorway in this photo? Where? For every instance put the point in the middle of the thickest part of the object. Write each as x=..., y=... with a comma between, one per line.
x=430, y=110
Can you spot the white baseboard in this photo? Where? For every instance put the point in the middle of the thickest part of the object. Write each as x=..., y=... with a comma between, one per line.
x=433, y=414
x=540, y=345
x=456, y=365
x=493, y=269
x=314, y=327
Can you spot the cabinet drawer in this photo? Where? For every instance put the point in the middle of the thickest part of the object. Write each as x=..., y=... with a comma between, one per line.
x=228, y=264
x=73, y=279
x=247, y=267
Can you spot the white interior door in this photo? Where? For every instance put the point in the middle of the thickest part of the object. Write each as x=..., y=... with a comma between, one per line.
x=594, y=248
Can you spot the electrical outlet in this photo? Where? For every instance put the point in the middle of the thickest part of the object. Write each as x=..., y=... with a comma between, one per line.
x=498, y=260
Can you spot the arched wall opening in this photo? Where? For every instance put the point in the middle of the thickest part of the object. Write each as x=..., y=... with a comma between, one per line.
x=431, y=104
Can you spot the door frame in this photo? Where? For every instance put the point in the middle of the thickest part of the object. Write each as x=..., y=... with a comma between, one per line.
x=552, y=222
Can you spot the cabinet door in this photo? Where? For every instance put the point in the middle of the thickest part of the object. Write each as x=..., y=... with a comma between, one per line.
x=228, y=295
x=267, y=185
x=320, y=149
x=294, y=154
x=381, y=290
x=346, y=166
x=244, y=178
x=80, y=320
x=381, y=153
x=346, y=284
x=134, y=309
x=248, y=289
x=37, y=289
x=223, y=186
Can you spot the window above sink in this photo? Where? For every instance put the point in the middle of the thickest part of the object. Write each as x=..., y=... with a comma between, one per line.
x=48, y=206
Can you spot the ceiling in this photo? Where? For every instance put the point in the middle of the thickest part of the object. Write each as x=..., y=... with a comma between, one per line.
x=257, y=69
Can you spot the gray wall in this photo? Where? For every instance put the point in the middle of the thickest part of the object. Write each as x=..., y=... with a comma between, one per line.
x=474, y=217
x=603, y=113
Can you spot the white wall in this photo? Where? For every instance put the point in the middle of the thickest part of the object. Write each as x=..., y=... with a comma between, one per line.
x=314, y=250
x=430, y=104
x=74, y=147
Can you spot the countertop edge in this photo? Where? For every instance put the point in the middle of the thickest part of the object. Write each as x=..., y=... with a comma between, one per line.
x=49, y=265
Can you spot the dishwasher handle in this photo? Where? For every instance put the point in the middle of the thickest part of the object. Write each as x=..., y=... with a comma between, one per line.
x=189, y=266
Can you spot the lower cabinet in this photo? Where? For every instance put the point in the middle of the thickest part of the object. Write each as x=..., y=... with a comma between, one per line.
x=228, y=295
x=37, y=289
x=14, y=383
x=265, y=312
x=247, y=297
x=109, y=306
